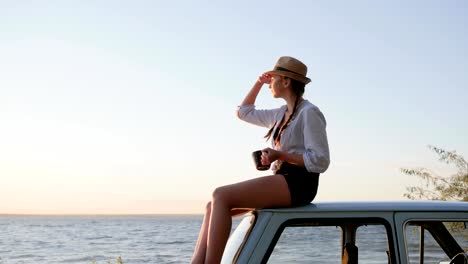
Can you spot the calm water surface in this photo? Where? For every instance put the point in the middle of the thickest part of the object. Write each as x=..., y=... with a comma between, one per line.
x=137, y=239
x=162, y=239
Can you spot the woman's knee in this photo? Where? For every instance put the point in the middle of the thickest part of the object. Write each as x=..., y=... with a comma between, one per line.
x=219, y=195
x=208, y=208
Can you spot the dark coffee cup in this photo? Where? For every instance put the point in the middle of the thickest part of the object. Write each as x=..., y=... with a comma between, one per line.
x=257, y=157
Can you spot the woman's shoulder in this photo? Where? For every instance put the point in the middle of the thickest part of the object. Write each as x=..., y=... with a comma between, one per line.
x=311, y=111
x=280, y=110
x=308, y=106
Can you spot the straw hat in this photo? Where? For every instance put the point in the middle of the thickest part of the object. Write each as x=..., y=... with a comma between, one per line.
x=292, y=68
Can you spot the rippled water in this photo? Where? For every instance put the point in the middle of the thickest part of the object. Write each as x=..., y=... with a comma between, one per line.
x=169, y=239
x=137, y=239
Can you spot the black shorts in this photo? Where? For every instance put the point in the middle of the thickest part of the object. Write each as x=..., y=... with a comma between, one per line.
x=302, y=184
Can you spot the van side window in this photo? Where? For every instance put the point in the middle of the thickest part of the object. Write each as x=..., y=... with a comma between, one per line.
x=435, y=241
x=372, y=243
x=333, y=241
x=321, y=244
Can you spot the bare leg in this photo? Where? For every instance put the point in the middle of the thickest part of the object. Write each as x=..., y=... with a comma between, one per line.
x=200, y=248
x=269, y=191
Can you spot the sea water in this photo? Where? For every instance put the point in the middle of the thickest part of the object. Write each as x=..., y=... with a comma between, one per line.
x=145, y=239
x=98, y=239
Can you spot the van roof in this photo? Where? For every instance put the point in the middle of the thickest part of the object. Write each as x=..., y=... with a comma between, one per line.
x=377, y=206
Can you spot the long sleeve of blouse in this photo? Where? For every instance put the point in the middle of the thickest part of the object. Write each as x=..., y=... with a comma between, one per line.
x=264, y=117
x=306, y=134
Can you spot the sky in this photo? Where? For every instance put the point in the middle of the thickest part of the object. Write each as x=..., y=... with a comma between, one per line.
x=128, y=107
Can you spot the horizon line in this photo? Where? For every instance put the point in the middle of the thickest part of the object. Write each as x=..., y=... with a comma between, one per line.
x=103, y=214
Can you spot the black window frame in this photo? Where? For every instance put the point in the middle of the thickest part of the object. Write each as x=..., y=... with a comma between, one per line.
x=334, y=221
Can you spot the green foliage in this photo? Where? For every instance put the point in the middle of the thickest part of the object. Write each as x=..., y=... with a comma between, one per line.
x=434, y=187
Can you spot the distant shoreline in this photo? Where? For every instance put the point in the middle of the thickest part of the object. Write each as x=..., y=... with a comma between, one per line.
x=100, y=215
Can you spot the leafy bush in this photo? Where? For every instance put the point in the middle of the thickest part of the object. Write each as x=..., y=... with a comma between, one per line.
x=435, y=187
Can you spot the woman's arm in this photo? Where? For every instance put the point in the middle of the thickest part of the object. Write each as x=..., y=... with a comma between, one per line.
x=270, y=155
x=252, y=95
x=317, y=153
x=247, y=112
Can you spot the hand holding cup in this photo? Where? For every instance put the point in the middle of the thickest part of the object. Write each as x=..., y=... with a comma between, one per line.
x=259, y=160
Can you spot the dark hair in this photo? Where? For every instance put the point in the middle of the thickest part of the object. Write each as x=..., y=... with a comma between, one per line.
x=298, y=89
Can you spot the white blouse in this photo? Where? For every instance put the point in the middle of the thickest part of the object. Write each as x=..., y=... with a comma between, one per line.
x=305, y=135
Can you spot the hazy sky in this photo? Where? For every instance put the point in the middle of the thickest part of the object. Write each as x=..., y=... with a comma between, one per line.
x=129, y=106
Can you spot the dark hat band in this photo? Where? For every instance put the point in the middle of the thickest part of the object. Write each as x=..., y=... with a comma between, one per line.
x=286, y=70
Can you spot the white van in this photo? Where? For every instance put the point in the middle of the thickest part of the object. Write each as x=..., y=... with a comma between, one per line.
x=352, y=232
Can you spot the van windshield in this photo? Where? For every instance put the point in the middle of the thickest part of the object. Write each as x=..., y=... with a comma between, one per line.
x=237, y=238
